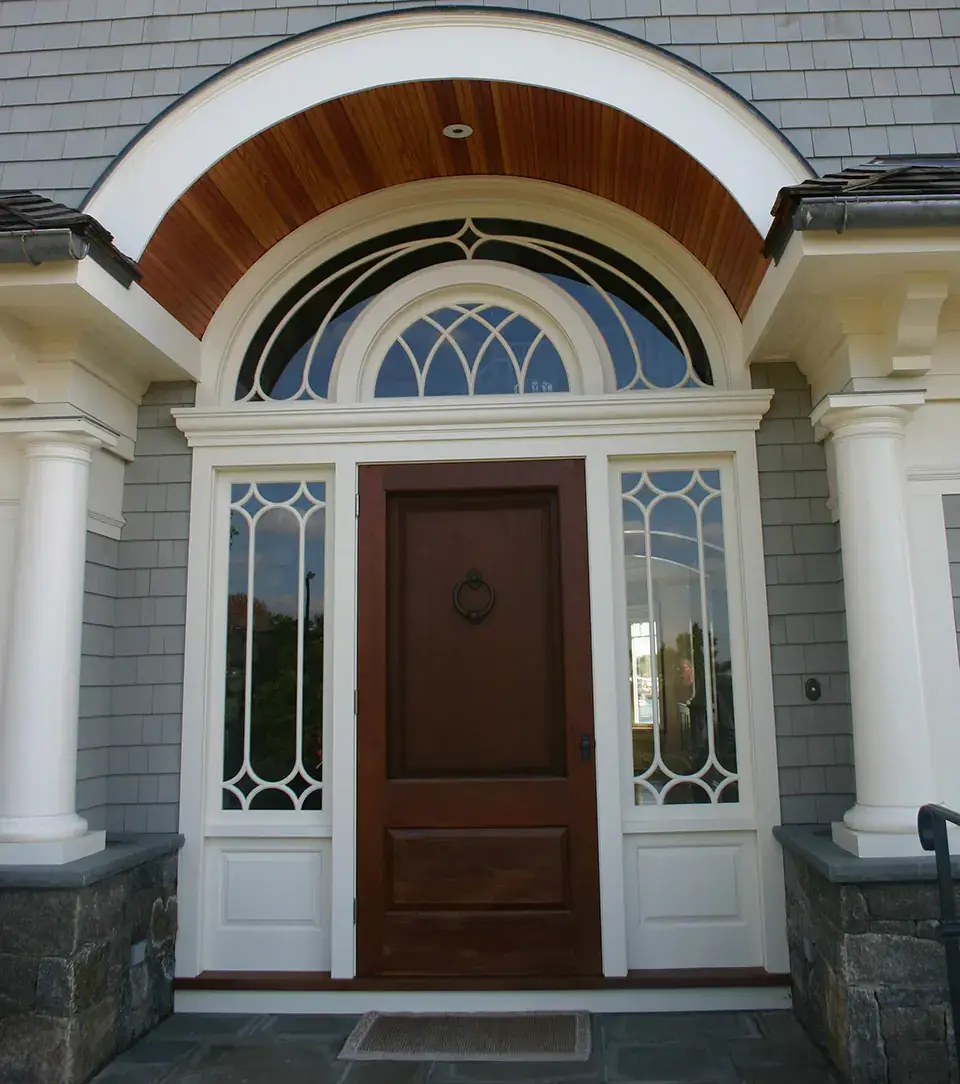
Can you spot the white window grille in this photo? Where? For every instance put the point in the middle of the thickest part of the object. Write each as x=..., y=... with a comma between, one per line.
x=273, y=711
x=681, y=697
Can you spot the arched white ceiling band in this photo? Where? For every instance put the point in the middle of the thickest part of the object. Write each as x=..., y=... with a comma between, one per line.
x=741, y=149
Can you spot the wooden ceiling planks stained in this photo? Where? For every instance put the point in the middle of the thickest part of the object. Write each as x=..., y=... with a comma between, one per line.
x=285, y=176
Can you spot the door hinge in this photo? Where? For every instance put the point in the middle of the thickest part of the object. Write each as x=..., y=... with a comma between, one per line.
x=354, y=911
x=356, y=505
x=355, y=701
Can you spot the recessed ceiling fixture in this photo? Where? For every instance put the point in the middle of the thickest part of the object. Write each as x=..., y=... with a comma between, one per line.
x=458, y=131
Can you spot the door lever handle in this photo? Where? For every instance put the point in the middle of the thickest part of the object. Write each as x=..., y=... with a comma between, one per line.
x=586, y=747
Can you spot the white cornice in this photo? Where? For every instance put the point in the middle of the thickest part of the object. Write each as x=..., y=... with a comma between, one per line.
x=648, y=412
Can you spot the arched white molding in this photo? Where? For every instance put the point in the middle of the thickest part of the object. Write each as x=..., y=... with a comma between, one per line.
x=717, y=128
x=584, y=353
x=249, y=302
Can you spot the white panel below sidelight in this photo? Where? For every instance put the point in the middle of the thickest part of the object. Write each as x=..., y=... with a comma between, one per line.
x=267, y=910
x=693, y=900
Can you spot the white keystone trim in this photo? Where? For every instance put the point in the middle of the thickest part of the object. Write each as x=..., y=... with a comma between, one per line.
x=709, y=122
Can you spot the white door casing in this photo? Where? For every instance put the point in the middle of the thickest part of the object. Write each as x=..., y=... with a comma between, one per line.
x=744, y=925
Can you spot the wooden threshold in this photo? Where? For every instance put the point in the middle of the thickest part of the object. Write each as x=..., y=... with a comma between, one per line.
x=299, y=981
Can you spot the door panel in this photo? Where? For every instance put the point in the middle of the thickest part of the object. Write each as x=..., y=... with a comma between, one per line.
x=477, y=849
x=480, y=868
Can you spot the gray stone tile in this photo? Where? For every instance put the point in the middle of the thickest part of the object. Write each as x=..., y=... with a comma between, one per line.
x=504, y=1072
x=671, y=1063
x=272, y=1063
x=154, y=1050
x=635, y=1028
x=130, y=1073
x=750, y=1054
x=794, y=1075
x=320, y=1028
x=184, y=1026
x=386, y=1072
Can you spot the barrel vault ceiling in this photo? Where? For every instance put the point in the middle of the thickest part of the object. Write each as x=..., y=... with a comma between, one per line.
x=283, y=177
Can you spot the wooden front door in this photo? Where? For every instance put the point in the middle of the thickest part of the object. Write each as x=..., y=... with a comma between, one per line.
x=477, y=835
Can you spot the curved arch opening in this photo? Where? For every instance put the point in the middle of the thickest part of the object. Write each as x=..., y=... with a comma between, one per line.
x=644, y=331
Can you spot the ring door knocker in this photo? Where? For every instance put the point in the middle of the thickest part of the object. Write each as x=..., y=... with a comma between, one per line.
x=474, y=581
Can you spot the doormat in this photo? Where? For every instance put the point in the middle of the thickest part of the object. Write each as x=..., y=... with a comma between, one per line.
x=559, y=1036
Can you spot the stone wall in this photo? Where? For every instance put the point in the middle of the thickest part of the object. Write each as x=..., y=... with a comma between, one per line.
x=808, y=634
x=85, y=968
x=869, y=975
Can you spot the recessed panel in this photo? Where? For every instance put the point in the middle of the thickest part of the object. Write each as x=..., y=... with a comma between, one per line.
x=517, y=868
x=688, y=883
x=476, y=677
x=282, y=888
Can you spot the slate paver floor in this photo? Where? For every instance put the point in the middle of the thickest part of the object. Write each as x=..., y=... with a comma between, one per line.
x=649, y=1048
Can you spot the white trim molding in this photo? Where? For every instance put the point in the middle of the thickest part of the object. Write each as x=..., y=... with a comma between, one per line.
x=267, y=282
x=711, y=123
x=649, y=413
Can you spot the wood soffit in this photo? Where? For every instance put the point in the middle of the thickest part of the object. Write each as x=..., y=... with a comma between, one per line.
x=285, y=176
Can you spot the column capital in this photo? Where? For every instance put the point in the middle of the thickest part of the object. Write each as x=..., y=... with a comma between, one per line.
x=865, y=413
x=77, y=432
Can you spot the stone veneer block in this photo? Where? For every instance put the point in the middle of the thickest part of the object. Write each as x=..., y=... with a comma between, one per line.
x=867, y=968
x=86, y=959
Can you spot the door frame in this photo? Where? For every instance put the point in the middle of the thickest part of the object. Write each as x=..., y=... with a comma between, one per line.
x=375, y=482
x=711, y=427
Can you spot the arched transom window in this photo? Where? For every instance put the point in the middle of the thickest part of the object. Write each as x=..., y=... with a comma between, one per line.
x=472, y=342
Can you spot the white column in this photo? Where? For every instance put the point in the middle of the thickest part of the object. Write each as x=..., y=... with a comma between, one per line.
x=891, y=740
x=38, y=724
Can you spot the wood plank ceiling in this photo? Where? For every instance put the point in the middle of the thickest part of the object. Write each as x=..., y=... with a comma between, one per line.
x=290, y=173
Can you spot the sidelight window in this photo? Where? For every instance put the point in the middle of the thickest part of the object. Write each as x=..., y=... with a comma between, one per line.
x=678, y=636
x=274, y=691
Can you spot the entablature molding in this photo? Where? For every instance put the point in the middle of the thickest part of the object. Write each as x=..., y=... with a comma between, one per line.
x=850, y=308
x=647, y=413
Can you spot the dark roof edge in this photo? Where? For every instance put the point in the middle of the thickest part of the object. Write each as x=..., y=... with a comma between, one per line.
x=840, y=214
x=34, y=230
x=888, y=192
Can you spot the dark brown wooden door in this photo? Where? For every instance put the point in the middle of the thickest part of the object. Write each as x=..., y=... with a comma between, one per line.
x=477, y=836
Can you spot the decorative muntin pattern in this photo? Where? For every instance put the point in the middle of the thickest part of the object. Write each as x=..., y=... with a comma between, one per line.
x=471, y=349
x=651, y=340
x=684, y=745
x=273, y=716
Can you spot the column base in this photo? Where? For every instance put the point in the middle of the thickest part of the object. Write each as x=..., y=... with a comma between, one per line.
x=51, y=852
x=877, y=844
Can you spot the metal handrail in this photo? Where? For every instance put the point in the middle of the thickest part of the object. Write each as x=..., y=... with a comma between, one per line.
x=932, y=828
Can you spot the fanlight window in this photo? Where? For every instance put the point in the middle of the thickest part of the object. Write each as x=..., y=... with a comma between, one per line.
x=651, y=340
x=681, y=692
x=471, y=349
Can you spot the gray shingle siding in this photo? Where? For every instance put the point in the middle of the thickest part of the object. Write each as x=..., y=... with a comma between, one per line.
x=843, y=79
x=951, y=517
x=806, y=609
x=96, y=679
x=143, y=787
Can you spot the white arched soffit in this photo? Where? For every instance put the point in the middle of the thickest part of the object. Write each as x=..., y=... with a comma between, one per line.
x=252, y=298
x=581, y=348
x=734, y=142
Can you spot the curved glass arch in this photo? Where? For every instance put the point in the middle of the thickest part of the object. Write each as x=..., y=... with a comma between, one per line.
x=651, y=339
x=471, y=349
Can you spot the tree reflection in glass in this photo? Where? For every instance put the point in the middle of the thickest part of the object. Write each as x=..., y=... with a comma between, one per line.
x=682, y=718
x=273, y=717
